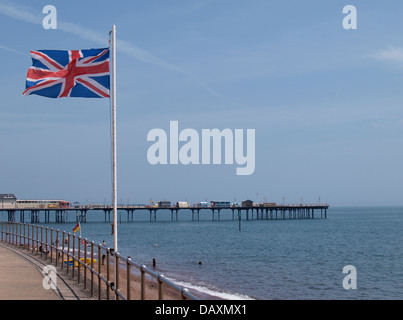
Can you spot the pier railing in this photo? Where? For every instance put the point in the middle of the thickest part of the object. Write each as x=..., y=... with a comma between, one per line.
x=91, y=264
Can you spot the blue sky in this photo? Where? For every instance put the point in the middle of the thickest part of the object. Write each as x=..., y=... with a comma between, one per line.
x=326, y=103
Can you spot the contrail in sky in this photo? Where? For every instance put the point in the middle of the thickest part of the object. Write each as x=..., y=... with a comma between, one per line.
x=13, y=50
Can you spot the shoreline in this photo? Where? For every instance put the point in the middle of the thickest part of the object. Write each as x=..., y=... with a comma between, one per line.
x=205, y=293
x=200, y=291
x=168, y=293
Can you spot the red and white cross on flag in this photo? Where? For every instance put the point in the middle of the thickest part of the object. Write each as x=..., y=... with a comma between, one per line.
x=69, y=73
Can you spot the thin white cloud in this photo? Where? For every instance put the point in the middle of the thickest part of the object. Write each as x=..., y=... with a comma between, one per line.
x=122, y=46
x=13, y=50
x=391, y=54
x=19, y=12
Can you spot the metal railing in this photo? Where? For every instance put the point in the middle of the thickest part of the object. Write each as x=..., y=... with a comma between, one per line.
x=78, y=257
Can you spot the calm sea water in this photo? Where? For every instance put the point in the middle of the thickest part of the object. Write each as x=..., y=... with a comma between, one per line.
x=267, y=259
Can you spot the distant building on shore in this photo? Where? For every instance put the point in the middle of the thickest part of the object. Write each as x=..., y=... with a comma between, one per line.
x=7, y=201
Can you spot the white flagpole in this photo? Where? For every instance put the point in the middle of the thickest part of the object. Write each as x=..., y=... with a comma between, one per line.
x=114, y=171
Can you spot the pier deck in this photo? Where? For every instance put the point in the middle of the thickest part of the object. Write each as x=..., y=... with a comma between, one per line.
x=272, y=212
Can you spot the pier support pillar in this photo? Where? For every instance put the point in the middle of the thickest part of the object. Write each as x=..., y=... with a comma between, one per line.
x=129, y=215
x=108, y=211
x=11, y=216
x=153, y=215
x=34, y=216
x=195, y=211
x=47, y=218
x=172, y=214
x=82, y=216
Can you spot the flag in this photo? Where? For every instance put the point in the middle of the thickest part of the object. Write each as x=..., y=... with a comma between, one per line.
x=76, y=228
x=72, y=73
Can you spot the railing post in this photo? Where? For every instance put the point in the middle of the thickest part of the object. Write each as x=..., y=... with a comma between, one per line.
x=46, y=243
x=20, y=234
x=68, y=252
x=128, y=277
x=92, y=268
x=62, y=262
x=99, y=272
x=24, y=235
x=78, y=262
x=51, y=245
x=37, y=239
x=143, y=287
x=160, y=283
x=107, y=275
x=12, y=232
x=73, y=256
x=57, y=241
x=85, y=261
x=28, y=237
x=116, y=260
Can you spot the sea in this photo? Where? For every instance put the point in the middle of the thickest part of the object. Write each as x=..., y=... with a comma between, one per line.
x=355, y=253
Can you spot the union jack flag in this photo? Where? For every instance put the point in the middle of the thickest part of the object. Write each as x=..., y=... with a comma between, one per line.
x=72, y=73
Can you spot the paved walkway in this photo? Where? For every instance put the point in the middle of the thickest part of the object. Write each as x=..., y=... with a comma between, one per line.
x=21, y=278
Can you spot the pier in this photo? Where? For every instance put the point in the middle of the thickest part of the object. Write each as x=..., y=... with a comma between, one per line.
x=256, y=211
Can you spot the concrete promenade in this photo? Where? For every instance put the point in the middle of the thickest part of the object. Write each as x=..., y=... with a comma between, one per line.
x=21, y=278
